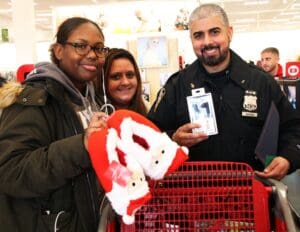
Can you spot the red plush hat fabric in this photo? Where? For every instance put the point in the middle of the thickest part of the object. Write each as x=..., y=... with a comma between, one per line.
x=123, y=153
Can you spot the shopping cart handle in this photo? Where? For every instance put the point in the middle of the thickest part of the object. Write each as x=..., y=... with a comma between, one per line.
x=292, y=181
x=107, y=216
x=280, y=193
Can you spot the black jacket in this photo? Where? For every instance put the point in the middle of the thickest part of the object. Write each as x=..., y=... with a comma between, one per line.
x=44, y=167
x=237, y=135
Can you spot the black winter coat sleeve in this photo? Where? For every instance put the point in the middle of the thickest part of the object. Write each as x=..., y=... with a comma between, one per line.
x=32, y=163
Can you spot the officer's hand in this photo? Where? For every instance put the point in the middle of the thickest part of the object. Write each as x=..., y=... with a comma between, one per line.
x=277, y=169
x=184, y=135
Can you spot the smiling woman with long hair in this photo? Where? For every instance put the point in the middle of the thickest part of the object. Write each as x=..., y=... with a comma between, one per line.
x=122, y=81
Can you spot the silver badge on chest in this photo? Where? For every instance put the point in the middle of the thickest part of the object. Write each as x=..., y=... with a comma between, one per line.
x=250, y=104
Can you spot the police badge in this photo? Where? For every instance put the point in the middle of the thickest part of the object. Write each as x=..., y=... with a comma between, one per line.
x=250, y=104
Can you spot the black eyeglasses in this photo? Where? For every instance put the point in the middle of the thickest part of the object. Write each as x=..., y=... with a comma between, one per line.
x=83, y=49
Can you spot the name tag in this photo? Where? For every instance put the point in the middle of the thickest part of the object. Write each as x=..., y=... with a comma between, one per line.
x=249, y=114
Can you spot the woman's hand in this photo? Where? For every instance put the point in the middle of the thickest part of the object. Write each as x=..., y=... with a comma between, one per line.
x=97, y=122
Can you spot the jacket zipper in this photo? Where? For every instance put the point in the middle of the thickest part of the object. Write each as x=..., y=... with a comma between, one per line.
x=221, y=92
x=92, y=197
x=89, y=184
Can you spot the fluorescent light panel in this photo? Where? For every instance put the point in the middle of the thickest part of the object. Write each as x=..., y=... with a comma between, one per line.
x=252, y=3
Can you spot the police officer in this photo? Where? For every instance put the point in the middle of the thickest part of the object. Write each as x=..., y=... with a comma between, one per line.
x=241, y=96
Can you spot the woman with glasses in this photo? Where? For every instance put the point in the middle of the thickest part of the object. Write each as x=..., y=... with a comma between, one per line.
x=46, y=178
x=122, y=81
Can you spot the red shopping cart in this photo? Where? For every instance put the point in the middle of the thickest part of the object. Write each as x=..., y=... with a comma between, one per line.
x=209, y=196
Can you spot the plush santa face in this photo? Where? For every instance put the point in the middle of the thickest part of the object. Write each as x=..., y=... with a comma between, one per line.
x=126, y=200
x=166, y=157
x=121, y=176
x=154, y=150
x=123, y=153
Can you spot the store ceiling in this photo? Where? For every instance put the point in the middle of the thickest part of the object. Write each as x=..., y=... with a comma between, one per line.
x=245, y=15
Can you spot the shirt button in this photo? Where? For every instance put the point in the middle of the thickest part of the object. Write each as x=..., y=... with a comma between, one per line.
x=40, y=100
x=24, y=99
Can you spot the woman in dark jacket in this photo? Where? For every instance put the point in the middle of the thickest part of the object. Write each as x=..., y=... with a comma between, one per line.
x=46, y=178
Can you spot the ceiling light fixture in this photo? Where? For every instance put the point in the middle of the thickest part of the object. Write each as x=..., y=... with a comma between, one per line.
x=295, y=6
x=246, y=20
x=48, y=14
x=280, y=20
x=259, y=2
x=289, y=13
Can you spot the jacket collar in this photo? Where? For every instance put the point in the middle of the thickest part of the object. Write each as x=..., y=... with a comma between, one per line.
x=32, y=96
x=36, y=93
x=196, y=72
x=236, y=65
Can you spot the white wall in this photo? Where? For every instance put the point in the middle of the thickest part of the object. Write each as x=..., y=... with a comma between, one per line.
x=8, y=55
x=249, y=45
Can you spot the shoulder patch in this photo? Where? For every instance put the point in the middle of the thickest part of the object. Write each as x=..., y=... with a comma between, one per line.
x=160, y=96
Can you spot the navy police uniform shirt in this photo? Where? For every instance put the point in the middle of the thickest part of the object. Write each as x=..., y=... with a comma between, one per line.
x=242, y=95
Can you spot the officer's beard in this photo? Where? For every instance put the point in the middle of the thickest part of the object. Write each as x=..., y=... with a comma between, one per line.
x=213, y=60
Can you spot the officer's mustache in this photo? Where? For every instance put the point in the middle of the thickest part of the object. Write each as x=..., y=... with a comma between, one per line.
x=209, y=47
